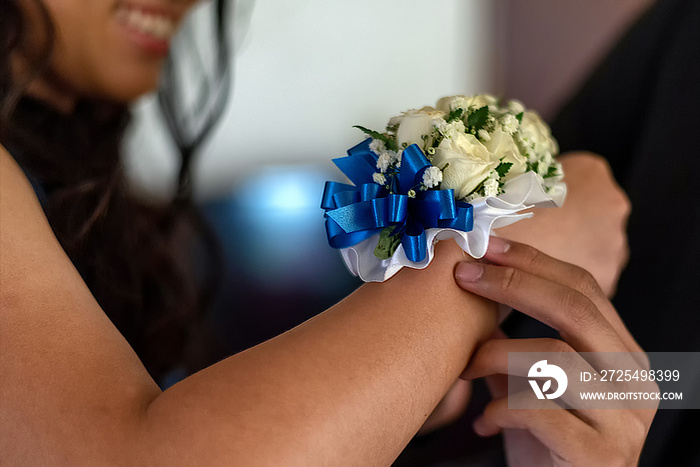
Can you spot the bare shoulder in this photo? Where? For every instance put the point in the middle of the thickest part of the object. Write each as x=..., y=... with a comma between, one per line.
x=59, y=353
x=25, y=234
x=37, y=278
x=36, y=272
x=15, y=185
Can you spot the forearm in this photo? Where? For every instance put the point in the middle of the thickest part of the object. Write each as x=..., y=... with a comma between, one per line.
x=589, y=229
x=349, y=387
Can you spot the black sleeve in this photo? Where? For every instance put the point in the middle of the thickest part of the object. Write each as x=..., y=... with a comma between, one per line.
x=608, y=113
x=640, y=110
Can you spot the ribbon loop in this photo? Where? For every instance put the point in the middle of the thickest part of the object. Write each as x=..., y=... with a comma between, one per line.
x=360, y=164
x=413, y=164
x=414, y=242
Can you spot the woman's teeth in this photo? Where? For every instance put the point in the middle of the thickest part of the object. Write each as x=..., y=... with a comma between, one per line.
x=158, y=26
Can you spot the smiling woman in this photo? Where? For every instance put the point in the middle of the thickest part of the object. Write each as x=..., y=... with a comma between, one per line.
x=119, y=47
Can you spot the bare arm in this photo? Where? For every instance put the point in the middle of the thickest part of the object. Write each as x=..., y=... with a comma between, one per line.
x=349, y=387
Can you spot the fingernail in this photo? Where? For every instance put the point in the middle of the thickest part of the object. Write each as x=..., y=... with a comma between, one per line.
x=466, y=375
x=478, y=426
x=469, y=272
x=498, y=245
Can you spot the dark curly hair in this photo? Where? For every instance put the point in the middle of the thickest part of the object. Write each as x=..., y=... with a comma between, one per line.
x=130, y=253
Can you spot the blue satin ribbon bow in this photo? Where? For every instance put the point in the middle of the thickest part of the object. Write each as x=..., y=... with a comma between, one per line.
x=355, y=213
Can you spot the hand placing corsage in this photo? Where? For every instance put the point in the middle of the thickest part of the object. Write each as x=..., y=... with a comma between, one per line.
x=459, y=170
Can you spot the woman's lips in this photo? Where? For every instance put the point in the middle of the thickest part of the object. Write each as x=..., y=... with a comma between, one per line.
x=148, y=28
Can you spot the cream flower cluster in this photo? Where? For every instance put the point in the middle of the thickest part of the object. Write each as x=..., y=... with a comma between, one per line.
x=475, y=144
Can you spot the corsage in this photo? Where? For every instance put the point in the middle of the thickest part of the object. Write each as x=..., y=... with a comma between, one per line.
x=470, y=165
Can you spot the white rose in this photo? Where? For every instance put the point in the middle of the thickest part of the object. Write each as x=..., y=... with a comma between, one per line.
x=468, y=163
x=516, y=106
x=536, y=135
x=415, y=124
x=502, y=146
x=447, y=104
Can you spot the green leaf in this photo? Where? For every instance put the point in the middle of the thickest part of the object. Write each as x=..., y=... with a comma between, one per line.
x=455, y=114
x=520, y=117
x=372, y=133
x=551, y=172
x=388, y=140
x=388, y=243
x=478, y=119
x=503, y=168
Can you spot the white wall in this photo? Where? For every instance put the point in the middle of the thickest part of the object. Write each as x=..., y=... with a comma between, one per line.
x=307, y=70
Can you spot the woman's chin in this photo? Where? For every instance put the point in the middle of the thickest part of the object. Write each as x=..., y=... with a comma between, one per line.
x=128, y=91
x=123, y=84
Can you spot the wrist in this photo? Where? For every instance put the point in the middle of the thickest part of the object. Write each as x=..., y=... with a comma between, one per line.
x=433, y=295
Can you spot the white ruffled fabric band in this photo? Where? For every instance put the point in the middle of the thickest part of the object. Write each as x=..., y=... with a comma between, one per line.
x=523, y=192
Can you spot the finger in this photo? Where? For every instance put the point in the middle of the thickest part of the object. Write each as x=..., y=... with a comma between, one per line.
x=498, y=359
x=514, y=358
x=526, y=258
x=559, y=430
x=498, y=385
x=570, y=312
x=569, y=438
x=529, y=259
